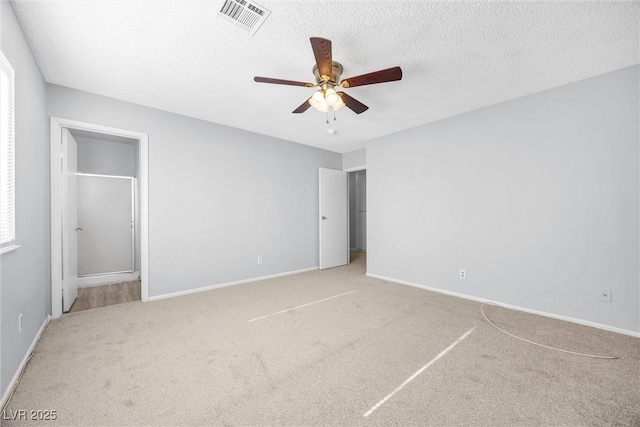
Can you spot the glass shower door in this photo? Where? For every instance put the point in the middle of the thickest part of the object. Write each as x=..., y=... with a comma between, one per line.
x=105, y=224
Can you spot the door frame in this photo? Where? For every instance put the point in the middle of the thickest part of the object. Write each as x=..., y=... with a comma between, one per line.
x=55, y=138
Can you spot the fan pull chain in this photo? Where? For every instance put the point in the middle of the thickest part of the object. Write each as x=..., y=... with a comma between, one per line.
x=327, y=117
x=334, y=115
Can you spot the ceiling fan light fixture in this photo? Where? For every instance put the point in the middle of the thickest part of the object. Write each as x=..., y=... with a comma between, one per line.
x=316, y=99
x=328, y=76
x=331, y=97
x=319, y=102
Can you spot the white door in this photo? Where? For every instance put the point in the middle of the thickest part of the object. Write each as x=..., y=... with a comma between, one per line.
x=333, y=218
x=69, y=220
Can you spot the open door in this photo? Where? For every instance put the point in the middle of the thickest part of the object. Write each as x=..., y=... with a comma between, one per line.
x=69, y=220
x=334, y=239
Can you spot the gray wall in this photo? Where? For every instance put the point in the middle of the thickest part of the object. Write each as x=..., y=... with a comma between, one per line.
x=106, y=157
x=25, y=284
x=218, y=197
x=354, y=159
x=536, y=198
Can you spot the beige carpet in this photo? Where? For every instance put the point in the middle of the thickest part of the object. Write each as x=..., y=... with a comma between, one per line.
x=196, y=360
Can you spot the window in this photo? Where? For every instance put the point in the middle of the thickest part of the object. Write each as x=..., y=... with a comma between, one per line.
x=7, y=156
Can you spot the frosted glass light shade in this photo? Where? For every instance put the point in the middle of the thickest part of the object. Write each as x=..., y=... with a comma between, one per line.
x=316, y=100
x=339, y=105
x=331, y=97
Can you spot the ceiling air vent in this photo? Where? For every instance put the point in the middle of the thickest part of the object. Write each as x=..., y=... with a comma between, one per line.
x=247, y=15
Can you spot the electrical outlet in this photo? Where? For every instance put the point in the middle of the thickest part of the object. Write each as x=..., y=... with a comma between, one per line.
x=463, y=274
x=605, y=295
x=20, y=323
x=259, y=260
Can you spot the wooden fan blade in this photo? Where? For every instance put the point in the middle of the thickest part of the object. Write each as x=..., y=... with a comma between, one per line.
x=352, y=103
x=322, y=51
x=382, y=76
x=302, y=108
x=281, y=82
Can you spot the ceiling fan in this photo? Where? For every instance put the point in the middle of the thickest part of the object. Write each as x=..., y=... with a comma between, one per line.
x=328, y=77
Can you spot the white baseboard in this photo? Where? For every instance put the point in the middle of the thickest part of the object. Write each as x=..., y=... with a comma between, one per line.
x=513, y=307
x=105, y=279
x=23, y=364
x=224, y=285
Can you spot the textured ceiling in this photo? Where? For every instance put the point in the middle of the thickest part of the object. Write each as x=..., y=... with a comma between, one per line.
x=179, y=56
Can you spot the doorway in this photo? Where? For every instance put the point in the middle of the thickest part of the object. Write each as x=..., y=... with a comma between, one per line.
x=342, y=217
x=103, y=175
x=358, y=211
x=357, y=214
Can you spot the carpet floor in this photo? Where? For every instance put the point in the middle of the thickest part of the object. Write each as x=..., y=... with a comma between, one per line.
x=224, y=357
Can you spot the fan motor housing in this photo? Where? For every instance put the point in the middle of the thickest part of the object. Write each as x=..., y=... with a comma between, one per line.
x=336, y=70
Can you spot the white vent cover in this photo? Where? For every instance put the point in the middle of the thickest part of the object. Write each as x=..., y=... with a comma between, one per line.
x=247, y=15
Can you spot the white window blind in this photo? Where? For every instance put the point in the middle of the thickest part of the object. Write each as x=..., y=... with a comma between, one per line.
x=7, y=154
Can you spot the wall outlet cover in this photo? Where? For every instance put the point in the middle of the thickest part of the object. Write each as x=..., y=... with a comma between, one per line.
x=605, y=295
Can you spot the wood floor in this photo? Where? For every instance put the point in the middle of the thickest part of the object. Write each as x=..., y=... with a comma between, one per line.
x=105, y=295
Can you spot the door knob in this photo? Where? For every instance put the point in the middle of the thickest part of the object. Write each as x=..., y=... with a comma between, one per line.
x=78, y=229
x=324, y=217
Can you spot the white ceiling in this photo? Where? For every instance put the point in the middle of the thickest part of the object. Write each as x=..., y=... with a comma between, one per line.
x=179, y=56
